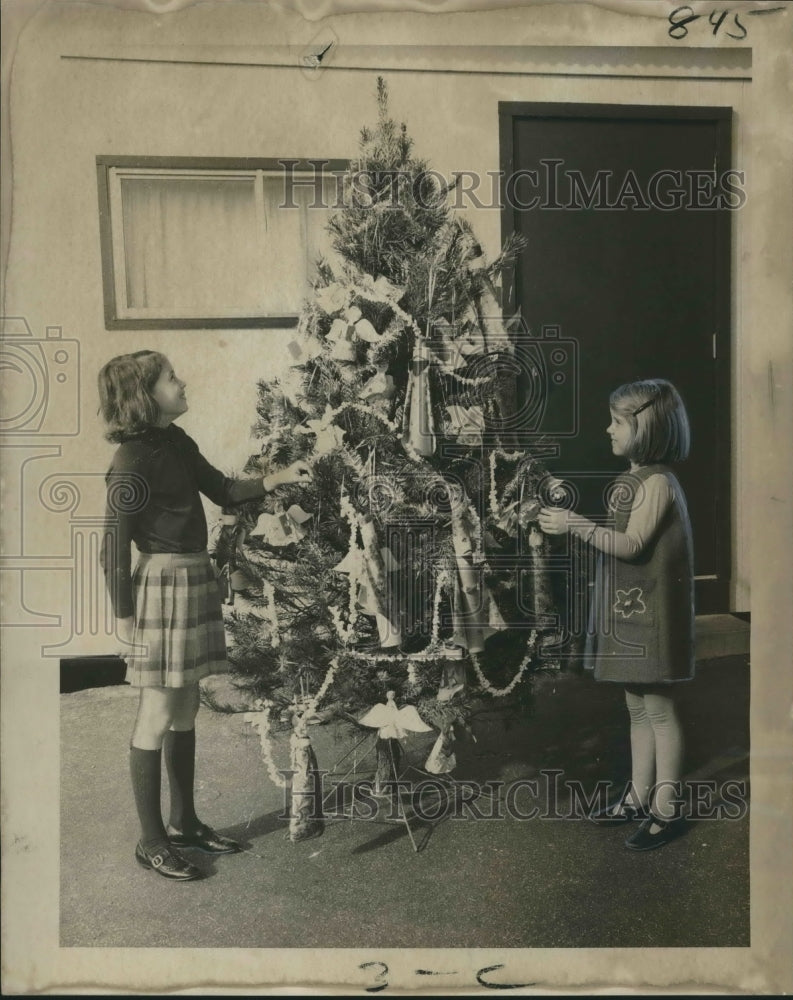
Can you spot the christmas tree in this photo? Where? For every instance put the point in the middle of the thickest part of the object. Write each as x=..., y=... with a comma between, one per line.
x=396, y=567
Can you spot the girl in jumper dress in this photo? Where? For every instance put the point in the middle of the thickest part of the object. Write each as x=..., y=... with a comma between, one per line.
x=641, y=632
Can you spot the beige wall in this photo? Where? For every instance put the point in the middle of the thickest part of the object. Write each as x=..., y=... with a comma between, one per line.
x=66, y=111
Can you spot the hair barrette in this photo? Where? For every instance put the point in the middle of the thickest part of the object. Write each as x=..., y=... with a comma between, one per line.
x=643, y=406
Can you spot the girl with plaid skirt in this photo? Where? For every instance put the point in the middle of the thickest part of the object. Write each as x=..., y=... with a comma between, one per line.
x=641, y=632
x=168, y=609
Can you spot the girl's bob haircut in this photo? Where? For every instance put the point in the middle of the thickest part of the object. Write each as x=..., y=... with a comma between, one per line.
x=125, y=399
x=658, y=420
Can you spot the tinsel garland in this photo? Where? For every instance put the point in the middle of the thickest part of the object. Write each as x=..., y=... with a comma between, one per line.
x=524, y=665
x=260, y=720
x=506, y=456
x=365, y=288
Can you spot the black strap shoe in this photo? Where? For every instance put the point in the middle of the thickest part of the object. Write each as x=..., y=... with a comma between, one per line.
x=168, y=863
x=644, y=840
x=207, y=840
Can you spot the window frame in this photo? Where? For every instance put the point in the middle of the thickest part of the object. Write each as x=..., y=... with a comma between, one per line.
x=110, y=242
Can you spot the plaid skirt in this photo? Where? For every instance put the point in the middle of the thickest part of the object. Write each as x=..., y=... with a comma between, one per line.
x=179, y=635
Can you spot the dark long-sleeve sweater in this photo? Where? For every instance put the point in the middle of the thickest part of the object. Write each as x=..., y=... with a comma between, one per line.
x=153, y=487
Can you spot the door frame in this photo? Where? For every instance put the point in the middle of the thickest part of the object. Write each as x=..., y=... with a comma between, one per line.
x=712, y=594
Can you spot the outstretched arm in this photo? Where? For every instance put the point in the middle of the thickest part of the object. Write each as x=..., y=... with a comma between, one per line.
x=226, y=492
x=650, y=506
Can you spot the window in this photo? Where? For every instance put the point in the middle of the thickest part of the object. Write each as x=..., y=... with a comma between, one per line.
x=211, y=243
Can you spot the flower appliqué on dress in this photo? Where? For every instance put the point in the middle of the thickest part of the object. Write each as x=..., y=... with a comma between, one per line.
x=630, y=602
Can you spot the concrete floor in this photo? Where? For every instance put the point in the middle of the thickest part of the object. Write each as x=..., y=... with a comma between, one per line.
x=476, y=883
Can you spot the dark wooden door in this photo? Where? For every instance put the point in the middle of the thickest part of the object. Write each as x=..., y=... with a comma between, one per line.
x=631, y=267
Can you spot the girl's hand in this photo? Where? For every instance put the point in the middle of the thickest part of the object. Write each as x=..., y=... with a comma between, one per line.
x=297, y=472
x=554, y=520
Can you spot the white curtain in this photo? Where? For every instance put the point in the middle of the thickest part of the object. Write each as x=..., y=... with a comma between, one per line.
x=199, y=247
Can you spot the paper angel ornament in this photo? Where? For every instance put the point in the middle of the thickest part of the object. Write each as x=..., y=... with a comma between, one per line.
x=283, y=527
x=394, y=723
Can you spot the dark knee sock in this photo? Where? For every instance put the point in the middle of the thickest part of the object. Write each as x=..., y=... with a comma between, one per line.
x=145, y=767
x=179, y=752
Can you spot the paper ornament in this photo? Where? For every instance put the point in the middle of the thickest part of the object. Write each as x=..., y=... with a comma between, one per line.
x=346, y=329
x=303, y=349
x=384, y=289
x=449, y=355
x=475, y=615
x=518, y=515
x=379, y=390
x=306, y=787
x=342, y=336
x=332, y=298
x=394, y=723
x=442, y=759
x=466, y=424
x=283, y=527
x=452, y=678
x=330, y=437
x=491, y=318
x=366, y=564
x=418, y=424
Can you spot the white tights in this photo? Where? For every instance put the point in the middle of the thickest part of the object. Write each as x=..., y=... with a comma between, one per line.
x=656, y=747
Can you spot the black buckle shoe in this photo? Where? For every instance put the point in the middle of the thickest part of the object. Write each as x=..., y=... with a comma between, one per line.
x=618, y=813
x=168, y=863
x=667, y=830
x=207, y=840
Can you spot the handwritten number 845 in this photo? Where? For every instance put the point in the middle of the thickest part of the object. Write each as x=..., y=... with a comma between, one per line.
x=681, y=17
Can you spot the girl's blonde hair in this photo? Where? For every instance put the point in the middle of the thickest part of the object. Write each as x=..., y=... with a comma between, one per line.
x=658, y=420
x=125, y=399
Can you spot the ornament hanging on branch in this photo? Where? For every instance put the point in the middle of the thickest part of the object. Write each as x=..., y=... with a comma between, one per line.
x=329, y=436
x=346, y=330
x=418, y=422
x=475, y=615
x=466, y=424
x=332, y=298
x=366, y=564
x=379, y=390
x=285, y=527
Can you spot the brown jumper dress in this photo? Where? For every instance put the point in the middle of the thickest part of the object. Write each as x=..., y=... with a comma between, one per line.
x=641, y=621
